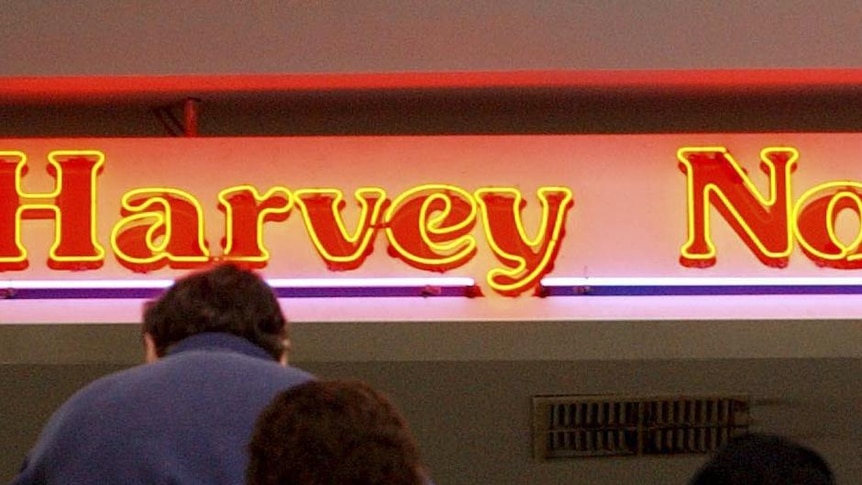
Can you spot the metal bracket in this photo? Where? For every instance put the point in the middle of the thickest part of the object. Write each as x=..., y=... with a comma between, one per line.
x=173, y=125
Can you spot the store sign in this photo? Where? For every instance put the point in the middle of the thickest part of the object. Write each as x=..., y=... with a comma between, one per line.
x=506, y=210
x=768, y=223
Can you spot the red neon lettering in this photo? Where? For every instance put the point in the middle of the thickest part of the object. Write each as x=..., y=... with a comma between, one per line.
x=246, y=211
x=161, y=226
x=815, y=224
x=526, y=260
x=428, y=227
x=13, y=255
x=715, y=179
x=321, y=212
x=72, y=205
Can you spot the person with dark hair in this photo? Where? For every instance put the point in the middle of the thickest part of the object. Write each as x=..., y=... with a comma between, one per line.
x=333, y=433
x=215, y=346
x=764, y=459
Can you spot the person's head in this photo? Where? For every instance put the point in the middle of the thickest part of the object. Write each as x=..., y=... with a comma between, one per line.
x=224, y=298
x=764, y=459
x=333, y=433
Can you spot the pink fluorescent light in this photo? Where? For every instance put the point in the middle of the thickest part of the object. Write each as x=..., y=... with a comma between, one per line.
x=84, y=284
x=709, y=281
x=703, y=286
x=702, y=281
x=284, y=288
x=275, y=283
x=369, y=282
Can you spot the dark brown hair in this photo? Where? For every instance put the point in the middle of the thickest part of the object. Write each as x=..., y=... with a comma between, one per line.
x=764, y=459
x=224, y=298
x=333, y=433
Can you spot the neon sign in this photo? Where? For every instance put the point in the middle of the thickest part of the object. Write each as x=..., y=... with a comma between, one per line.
x=427, y=226
x=767, y=224
x=517, y=213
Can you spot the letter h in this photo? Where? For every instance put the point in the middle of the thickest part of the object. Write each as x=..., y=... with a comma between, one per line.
x=72, y=206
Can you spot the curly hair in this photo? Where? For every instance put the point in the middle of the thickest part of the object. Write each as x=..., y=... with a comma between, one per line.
x=333, y=433
x=224, y=298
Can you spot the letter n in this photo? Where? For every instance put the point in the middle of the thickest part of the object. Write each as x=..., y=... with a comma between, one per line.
x=714, y=179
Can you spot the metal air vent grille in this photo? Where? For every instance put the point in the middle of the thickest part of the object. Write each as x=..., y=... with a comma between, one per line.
x=596, y=426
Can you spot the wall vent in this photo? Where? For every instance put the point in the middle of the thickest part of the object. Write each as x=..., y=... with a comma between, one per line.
x=578, y=426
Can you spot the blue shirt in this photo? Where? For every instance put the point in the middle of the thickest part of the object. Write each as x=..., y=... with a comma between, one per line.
x=185, y=419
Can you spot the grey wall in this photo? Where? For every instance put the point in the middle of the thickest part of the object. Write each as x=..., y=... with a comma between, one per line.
x=472, y=417
x=54, y=37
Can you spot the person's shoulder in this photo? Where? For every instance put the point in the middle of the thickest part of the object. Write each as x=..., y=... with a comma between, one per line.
x=101, y=401
x=298, y=374
x=227, y=367
x=107, y=385
x=268, y=369
x=90, y=407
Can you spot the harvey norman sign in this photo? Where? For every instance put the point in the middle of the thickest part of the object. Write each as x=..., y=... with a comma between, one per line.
x=506, y=210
